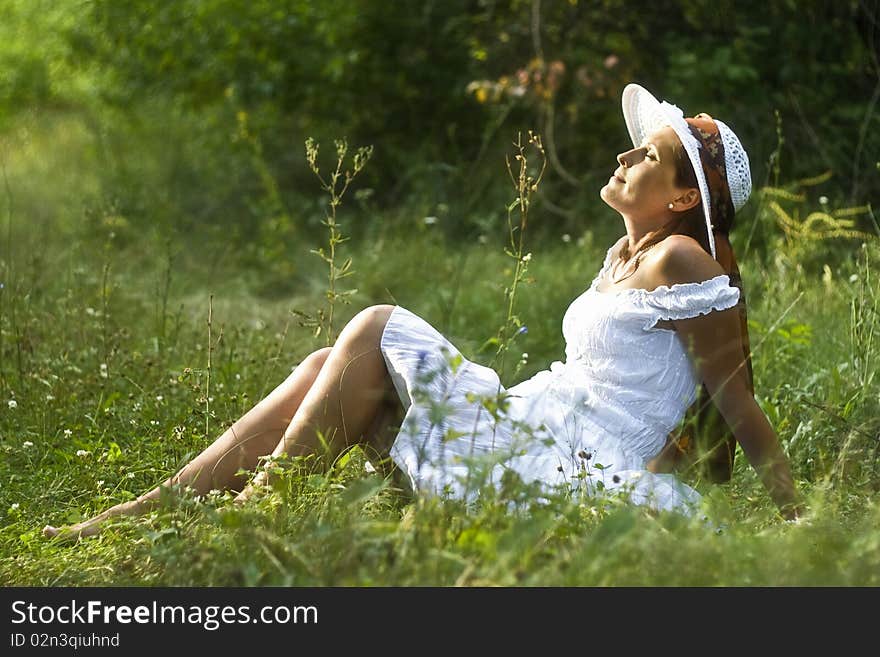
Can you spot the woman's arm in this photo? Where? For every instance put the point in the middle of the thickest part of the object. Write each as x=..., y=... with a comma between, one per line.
x=714, y=344
x=722, y=369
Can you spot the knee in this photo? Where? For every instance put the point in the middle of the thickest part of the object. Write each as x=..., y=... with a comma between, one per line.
x=315, y=360
x=373, y=318
x=367, y=326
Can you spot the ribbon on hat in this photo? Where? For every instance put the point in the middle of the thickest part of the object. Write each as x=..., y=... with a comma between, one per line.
x=705, y=130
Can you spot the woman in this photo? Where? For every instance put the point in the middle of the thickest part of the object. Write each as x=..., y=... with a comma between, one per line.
x=659, y=318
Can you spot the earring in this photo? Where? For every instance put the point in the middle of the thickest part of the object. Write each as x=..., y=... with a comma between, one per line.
x=670, y=206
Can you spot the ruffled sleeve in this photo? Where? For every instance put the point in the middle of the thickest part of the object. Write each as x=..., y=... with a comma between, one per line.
x=684, y=300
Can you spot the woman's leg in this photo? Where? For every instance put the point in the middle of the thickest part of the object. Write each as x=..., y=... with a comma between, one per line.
x=254, y=435
x=351, y=395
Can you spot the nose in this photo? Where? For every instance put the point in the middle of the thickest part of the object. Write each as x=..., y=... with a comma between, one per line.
x=630, y=157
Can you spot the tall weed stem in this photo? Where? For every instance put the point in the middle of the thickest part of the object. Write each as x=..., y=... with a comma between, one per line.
x=335, y=188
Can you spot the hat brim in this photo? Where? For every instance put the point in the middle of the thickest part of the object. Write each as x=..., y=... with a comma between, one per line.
x=644, y=115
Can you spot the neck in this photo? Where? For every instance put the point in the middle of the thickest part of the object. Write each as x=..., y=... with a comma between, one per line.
x=638, y=229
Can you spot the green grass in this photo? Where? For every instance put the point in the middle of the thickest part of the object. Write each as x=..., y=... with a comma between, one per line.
x=82, y=437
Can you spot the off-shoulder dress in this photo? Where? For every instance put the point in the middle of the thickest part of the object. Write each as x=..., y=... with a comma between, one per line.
x=598, y=416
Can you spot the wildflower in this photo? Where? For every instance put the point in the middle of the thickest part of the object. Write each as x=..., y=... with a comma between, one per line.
x=159, y=398
x=68, y=433
x=852, y=279
x=130, y=475
x=527, y=257
x=369, y=467
x=522, y=330
x=49, y=398
x=615, y=479
x=82, y=453
x=104, y=370
x=238, y=376
x=583, y=455
x=155, y=423
x=100, y=482
x=430, y=221
x=823, y=200
x=27, y=443
x=90, y=311
x=12, y=403
x=566, y=238
x=13, y=506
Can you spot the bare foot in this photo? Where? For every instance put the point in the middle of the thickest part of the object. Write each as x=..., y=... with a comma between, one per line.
x=92, y=526
x=257, y=484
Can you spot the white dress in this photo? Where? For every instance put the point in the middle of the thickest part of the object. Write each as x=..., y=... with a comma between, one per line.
x=590, y=423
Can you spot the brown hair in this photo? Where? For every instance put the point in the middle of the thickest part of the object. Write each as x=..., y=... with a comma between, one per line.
x=691, y=222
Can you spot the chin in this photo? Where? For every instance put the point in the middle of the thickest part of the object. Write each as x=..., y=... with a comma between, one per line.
x=604, y=195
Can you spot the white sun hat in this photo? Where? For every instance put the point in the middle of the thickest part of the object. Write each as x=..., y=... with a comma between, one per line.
x=644, y=114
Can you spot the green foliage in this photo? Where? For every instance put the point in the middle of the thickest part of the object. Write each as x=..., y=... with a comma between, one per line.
x=434, y=86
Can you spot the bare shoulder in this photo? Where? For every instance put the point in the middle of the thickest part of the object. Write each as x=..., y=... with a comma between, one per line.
x=681, y=259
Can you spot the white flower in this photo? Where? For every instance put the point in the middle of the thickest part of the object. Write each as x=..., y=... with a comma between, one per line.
x=155, y=423
x=13, y=506
x=852, y=279
x=130, y=475
x=238, y=376
x=527, y=257
x=82, y=453
x=369, y=467
x=68, y=433
x=210, y=399
x=100, y=482
x=430, y=221
x=12, y=403
x=27, y=443
x=823, y=200
x=90, y=311
x=104, y=370
x=566, y=238
x=132, y=422
x=159, y=398
x=49, y=397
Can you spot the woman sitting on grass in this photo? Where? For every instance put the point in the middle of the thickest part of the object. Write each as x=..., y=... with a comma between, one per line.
x=664, y=315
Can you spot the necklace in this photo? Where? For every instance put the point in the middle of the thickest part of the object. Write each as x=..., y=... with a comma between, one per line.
x=636, y=260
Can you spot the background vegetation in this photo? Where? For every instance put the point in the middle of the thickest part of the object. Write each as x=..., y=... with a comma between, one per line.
x=153, y=165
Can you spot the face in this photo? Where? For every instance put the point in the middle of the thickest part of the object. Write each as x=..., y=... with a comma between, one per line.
x=643, y=184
